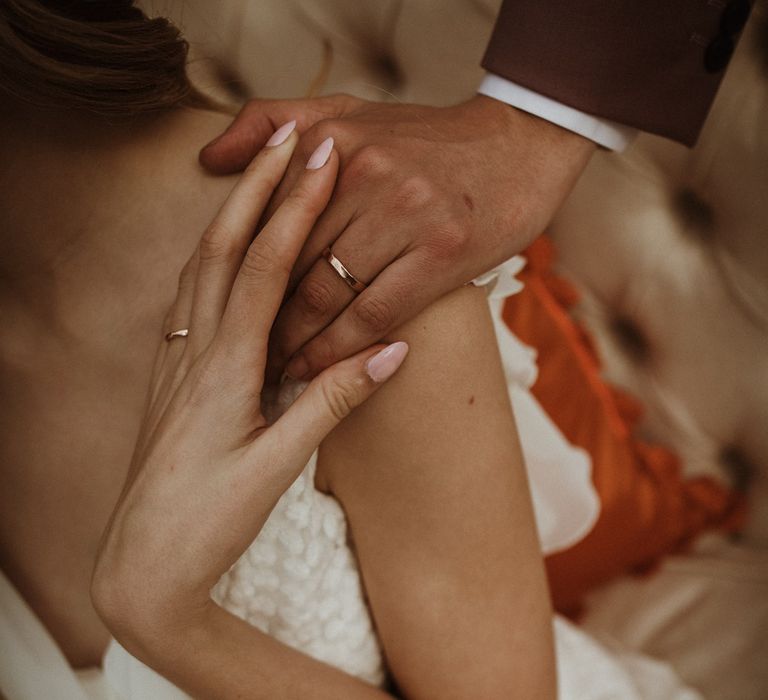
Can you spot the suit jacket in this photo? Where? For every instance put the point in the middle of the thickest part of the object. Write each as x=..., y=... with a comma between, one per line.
x=651, y=64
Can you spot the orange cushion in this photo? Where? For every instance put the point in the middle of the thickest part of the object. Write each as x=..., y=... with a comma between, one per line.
x=647, y=508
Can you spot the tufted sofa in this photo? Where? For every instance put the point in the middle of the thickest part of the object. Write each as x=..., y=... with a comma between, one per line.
x=669, y=246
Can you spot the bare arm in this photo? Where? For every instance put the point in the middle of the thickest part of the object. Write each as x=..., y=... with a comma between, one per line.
x=431, y=476
x=209, y=467
x=223, y=658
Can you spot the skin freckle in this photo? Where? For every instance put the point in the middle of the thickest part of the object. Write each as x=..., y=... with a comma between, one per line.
x=471, y=400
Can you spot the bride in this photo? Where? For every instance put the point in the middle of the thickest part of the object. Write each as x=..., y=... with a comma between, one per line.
x=217, y=536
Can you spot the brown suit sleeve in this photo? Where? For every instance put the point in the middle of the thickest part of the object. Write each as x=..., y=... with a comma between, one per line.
x=652, y=64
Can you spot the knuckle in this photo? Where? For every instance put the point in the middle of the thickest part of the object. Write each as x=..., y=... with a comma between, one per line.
x=342, y=395
x=215, y=243
x=375, y=314
x=447, y=242
x=257, y=263
x=416, y=192
x=262, y=260
x=315, y=296
x=371, y=162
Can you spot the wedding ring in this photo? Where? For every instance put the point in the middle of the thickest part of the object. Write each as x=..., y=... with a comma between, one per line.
x=181, y=333
x=343, y=272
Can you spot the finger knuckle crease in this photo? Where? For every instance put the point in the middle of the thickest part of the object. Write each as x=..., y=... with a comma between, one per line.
x=371, y=162
x=447, y=242
x=259, y=262
x=215, y=243
x=341, y=396
x=375, y=314
x=415, y=192
x=316, y=297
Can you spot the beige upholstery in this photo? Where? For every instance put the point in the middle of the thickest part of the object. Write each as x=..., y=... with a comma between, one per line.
x=672, y=246
x=669, y=245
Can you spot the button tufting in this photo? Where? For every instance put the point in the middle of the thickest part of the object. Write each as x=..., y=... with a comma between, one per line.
x=718, y=53
x=739, y=468
x=630, y=338
x=735, y=17
x=696, y=214
x=388, y=70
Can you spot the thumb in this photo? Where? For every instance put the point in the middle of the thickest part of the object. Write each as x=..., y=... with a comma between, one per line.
x=231, y=151
x=330, y=398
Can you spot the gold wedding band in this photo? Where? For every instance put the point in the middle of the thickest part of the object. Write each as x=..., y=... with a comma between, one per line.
x=343, y=272
x=181, y=333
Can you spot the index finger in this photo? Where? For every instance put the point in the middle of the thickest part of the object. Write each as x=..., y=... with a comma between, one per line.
x=260, y=284
x=401, y=291
x=227, y=237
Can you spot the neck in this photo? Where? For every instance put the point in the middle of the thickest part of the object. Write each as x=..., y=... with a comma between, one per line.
x=88, y=207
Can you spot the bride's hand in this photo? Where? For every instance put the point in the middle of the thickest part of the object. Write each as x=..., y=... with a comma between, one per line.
x=208, y=468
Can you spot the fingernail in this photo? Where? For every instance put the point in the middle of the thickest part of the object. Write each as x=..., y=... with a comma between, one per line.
x=282, y=133
x=385, y=363
x=320, y=157
x=297, y=368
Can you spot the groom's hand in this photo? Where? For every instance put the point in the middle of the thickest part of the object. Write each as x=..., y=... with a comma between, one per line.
x=427, y=199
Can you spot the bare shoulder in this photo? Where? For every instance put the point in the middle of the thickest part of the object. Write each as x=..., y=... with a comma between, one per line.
x=431, y=477
x=453, y=371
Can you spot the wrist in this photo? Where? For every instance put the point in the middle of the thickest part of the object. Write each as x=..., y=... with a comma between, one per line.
x=509, y=119
x=190, y=652
x=168, y=642
x=151, y=630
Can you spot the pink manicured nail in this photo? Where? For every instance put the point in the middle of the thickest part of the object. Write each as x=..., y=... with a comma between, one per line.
x=385, y=363
x=320, y=157
x=282, y=133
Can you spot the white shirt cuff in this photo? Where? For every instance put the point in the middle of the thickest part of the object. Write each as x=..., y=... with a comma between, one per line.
x=604, y=132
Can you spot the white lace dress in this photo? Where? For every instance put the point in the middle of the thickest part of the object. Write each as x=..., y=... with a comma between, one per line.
x=299, y=580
